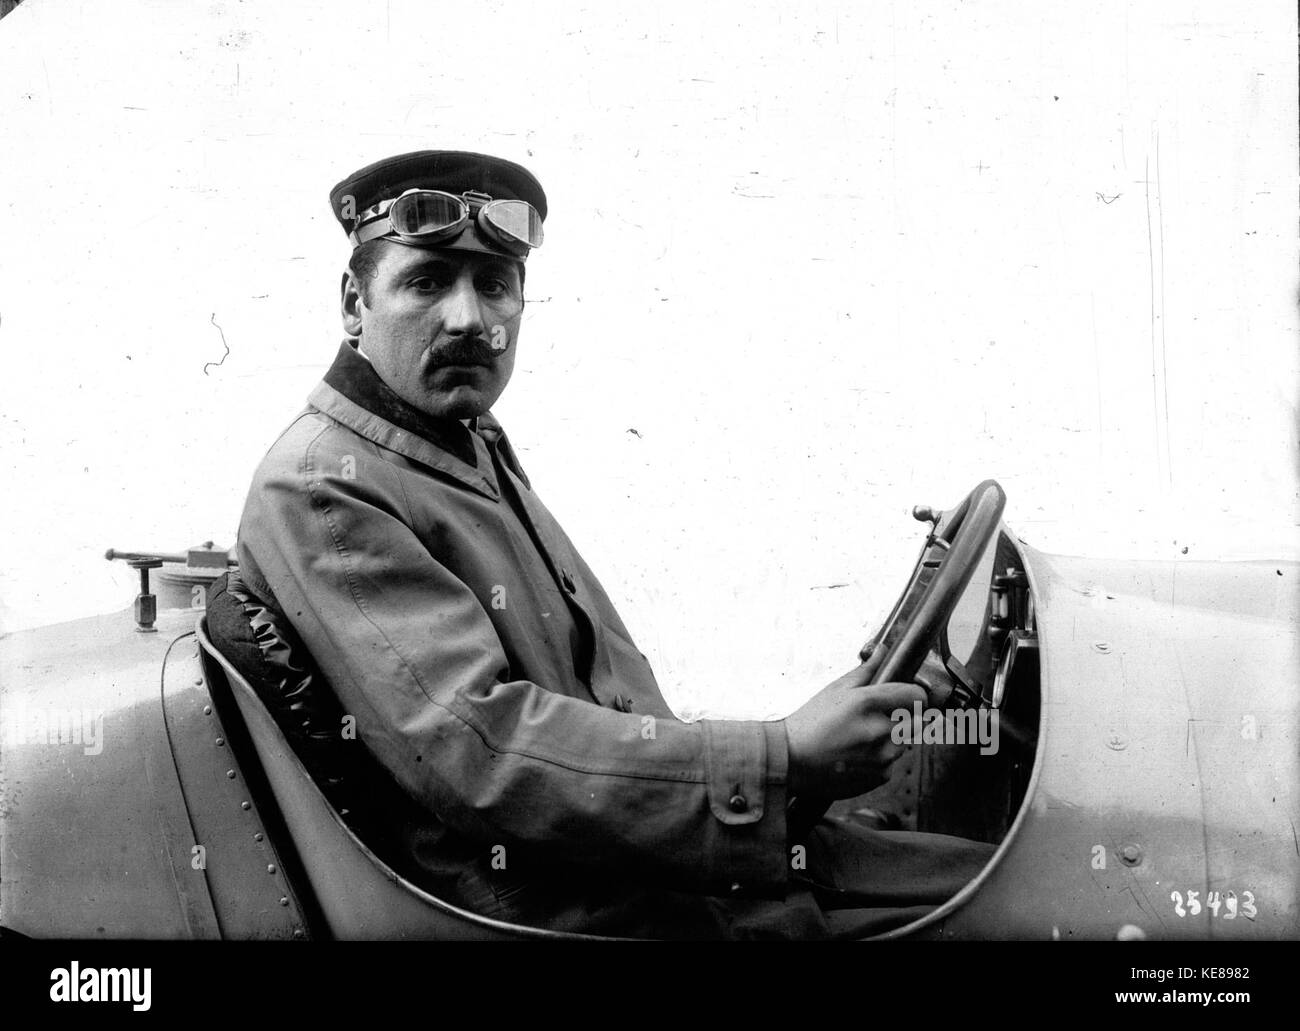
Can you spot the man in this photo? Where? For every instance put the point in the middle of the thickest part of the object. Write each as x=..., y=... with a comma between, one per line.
x=487, y=671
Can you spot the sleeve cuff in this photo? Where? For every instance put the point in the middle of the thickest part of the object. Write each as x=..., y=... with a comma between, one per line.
x=745, y=770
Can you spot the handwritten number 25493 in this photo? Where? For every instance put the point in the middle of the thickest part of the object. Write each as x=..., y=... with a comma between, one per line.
x=1191, y=905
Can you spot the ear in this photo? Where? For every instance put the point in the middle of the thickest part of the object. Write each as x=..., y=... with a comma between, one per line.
x=351, y=304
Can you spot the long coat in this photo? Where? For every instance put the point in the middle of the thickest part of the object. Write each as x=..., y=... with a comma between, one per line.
x=486, y=667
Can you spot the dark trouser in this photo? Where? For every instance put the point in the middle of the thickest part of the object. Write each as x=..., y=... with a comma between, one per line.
x=859, y=882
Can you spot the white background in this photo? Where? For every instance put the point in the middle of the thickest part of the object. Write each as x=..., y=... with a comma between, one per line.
x=826, y=263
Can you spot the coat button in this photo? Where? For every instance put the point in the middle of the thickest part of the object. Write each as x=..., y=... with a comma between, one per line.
x=737, y=803
x=567, y=580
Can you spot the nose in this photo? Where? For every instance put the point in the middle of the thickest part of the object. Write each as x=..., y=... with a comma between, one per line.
x=461, y=313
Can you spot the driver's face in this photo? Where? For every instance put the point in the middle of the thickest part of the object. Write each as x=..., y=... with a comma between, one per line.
x=439, y=326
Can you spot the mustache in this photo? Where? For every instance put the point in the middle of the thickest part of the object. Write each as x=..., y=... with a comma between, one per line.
x=465, y=351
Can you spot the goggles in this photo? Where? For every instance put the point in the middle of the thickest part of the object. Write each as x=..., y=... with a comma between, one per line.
x=428, y=217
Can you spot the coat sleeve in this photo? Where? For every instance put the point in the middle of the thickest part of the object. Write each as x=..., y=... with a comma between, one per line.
x=413, y=655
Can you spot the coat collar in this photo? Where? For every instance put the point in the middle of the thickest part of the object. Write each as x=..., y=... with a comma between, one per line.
x=353, y=394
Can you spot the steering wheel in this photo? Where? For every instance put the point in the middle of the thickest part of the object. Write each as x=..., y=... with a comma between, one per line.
x=948, y=561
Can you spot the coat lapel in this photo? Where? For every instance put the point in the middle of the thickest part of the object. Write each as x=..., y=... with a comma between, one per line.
x=555, y=551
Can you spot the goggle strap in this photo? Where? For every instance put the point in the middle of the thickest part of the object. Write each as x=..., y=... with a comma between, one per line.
x=368, y=231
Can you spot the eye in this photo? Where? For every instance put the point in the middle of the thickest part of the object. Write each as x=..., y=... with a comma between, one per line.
x=494, y=287
x=431, y=279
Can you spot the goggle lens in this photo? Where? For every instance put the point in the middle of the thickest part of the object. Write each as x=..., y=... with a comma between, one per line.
x=516, y=220
x=416, y=214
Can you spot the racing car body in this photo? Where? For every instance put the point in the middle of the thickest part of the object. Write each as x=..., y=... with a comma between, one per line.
x=1148, y=785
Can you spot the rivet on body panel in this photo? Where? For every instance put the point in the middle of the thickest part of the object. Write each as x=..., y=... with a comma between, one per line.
x=1101, y=646
x=1116, y=741
x=1131, y=855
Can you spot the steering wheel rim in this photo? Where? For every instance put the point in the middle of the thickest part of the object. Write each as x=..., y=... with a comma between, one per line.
x=951, y=555
x=959, y=539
